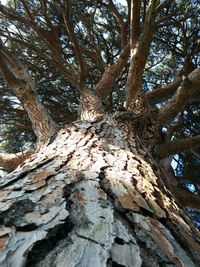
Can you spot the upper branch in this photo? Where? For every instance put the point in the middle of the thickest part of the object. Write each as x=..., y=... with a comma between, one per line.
x=162, y=94
x=135, y=20
x=111, y=73
x=50, y=37
x=180, y=145
x=139, y=51
x=77, y=49
x=121, y=23
x=186, y=89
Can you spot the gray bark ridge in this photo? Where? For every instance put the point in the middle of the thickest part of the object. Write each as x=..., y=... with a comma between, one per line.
x=93, y=197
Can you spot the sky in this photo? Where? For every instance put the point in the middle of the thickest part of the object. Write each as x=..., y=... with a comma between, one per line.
x=3, y=1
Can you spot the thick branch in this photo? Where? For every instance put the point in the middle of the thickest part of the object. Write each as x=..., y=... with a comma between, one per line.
x=135, y=20
x=162, y=94
x=186, y=89
x=192, y=179
x=17, y=77
x=90, y=108
x=105, y=85
x=139, y=53
x=180, y=145
x=186, y=198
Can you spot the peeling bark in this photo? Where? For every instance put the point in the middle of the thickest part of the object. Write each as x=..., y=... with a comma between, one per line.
x=9, y=162
x=94, y=197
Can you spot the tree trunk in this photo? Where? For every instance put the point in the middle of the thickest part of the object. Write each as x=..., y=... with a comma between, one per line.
x=96, y=197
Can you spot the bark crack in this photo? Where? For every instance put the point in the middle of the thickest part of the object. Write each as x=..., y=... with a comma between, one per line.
x=42, y=248
x=89, y=239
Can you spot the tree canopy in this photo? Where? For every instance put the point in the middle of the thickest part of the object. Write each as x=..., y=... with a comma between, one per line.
x=126, y=52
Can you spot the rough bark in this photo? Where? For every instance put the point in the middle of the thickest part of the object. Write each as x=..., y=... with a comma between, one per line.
x=9, y=162
x=94, y=197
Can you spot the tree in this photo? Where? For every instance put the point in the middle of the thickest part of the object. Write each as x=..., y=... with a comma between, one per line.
x=100, y=191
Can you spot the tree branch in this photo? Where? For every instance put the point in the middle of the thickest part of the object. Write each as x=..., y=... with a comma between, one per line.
x=186, y=198
x=17, y=77
x=77, y=49
x=94, y=53
x=159, y=95
x=174, y=127
x=189, y=179
x=105, y=85
x=27, y=10
x=180, y=145
x=164, y=4
x=122, y=24
x=51, y=40
x=135, y=20
x=13, y=15
x=186, y=89
x=139, y=53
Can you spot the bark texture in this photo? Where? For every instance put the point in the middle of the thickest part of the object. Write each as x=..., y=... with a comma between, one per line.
x=94, y=197
x=9, y=162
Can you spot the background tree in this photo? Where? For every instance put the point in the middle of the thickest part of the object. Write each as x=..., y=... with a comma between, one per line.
x=95, y=192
